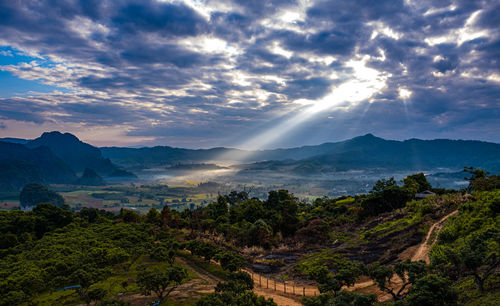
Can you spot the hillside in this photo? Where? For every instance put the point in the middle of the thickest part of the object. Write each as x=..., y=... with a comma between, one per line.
x=442, y=250
x=77, y=154
x=20, y=165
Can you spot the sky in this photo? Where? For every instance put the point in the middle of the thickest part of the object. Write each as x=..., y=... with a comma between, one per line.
x=249, y=74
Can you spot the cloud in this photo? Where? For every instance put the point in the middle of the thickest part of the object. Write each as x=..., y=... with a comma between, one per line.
x=211, y=72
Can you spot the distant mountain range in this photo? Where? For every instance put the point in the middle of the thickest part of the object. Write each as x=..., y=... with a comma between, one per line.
x=56, y=158
x=361, y=152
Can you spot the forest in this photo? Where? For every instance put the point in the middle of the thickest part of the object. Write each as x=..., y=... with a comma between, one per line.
x=351, y=250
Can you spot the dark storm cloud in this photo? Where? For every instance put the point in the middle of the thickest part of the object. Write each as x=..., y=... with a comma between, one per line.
x=194, y=69
x=164, y=18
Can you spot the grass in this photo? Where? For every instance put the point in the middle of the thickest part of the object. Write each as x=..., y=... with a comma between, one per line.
x=324, y=257
x=191, y=301
x=470, y=295
x=113, y=285
x=348, y=200
x=385, y=229
x=201, y=264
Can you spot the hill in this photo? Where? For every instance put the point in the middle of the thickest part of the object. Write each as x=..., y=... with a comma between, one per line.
x=372, y=152
x=14, y=140
x=77, y=154
x=20, y=165
x=90, y=178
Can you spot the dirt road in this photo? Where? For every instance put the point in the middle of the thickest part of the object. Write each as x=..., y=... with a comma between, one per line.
x=422, y=252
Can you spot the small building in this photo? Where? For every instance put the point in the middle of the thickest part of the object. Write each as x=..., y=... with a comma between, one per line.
x=424, y=194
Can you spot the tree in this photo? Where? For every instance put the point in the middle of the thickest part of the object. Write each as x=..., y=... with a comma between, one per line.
x=476, y=174
x=333, y=282
x=418, y=182
x=50, y=218
x=95, y=294
x=158, y=281
x=283, y=207
x=431, y=290
x=261, y=234
x=33, y=194
x=235, y=197
x=238, y=283
x=407, y=271
x=385, y=196
x=153, y=216
x=128, y=216
x=478, y=256
x=235, y=291
x=383, y=184
x=230, y=261
x=218, y=209
x=86, y=277
x=162, y=252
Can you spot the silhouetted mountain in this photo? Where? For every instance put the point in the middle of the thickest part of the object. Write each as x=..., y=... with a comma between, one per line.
x=161, y=155
x=14, y=140
x=20, y=165
x=77, y=154
x=361, y=152
x=368, y=151
x=90, y=178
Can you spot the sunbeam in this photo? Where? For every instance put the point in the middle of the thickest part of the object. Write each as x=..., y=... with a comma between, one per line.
x=364, y=83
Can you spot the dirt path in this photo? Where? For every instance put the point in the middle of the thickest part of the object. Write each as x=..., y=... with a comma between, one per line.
x=202, y=274
x=278, y=297
x=422, y=252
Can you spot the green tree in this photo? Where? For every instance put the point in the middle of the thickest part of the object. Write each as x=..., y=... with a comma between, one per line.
x=230, y=261
x=128, y=216
x=261, y=234
x=407, y=271
x=283, y=208
x=95, y=294
x=385, y=196
x=431, y=290
x=153, y=216
x=86, y=277
x=238, y=283
x=417, y=182
x=162, y=252
x=34, y=193
x=236, y=290
x=161, y=282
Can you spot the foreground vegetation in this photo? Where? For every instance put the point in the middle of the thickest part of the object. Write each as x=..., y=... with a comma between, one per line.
x=53, y=255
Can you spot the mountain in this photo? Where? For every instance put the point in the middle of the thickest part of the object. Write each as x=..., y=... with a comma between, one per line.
x=77, y=154
x=361, y=152
x=161, y=155
x=20, y=165
x=90, y=178
x=14, y=140
x=371, y=152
